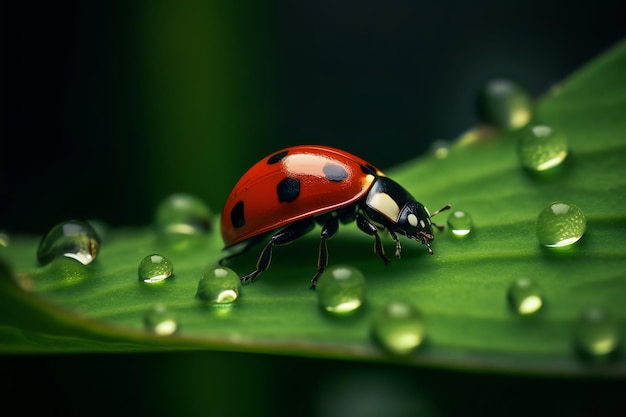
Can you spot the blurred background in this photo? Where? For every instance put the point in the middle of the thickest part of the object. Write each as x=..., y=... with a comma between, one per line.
x=110, y=106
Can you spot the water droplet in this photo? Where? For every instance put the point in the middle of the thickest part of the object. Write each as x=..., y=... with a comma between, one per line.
x=524, y=297
x=341, y=289
x=183, y=214
x=159, y=320
x=399, y=328
x=560, y=224
x=460, y=223
x=155, y=268
x=596, y=333
x=505, y=104
x=73, y=239
x=219, y=285
x=4, y=239
x=440, y=149
x=541, y=147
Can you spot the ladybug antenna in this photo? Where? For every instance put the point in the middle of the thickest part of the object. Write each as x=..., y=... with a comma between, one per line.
x=444, y=208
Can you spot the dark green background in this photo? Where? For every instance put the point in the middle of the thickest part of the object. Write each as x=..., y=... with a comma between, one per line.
x=109, y=107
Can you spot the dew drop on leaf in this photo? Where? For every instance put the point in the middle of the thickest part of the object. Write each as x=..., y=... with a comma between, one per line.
x=220, y=285
x=524, y=297
x=183, y=214
x=460, y=223
x=541, y=147
x=155, y=268
x=73, y=239
x=560, y=224
x=159, y=320
x=341, y=289
x=4, y=239
x=504, y=103
x=596, y=333
x=399, y=328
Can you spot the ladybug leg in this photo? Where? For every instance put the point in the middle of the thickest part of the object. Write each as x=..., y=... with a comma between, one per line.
x=329, y=229
x=367, y=227
x=395, y=239
x=283, y=237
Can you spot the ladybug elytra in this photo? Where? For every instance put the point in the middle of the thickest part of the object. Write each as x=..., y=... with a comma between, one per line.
x=293, y=189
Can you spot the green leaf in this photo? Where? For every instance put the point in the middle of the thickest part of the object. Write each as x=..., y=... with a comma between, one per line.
x=460, y=291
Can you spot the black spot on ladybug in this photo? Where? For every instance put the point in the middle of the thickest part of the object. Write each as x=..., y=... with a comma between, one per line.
x=334, y=172
x=277, y=157
x=236, y=215
x=368, y=170
x=288, y=190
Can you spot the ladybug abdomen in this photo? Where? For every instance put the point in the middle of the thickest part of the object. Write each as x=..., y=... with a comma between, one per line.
x=291, y=185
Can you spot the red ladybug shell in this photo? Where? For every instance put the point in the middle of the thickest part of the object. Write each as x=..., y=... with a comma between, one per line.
x=293, y=184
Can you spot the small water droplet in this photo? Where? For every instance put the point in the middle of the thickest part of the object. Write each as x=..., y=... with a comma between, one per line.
x=4, y=239
x=524, y=297
x=541, y=147
x=159, y=320
x=183, y=214
x=219, y=285
x=341, y=289
x=399, y=328
x=460, y=223
x=72, y=239
x=440, y=149
x=505, y=104
x=560, y=224
x=596, y=333
x=155, y=268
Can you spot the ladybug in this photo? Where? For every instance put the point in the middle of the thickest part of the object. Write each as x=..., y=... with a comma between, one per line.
x=288, y=192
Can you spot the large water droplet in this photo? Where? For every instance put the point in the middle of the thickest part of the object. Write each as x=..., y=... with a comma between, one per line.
x=399, y=328
x=524, y=297
x=597, y=333
x=560, y=224
x=460, y=223
x=219, y=285
x=155, y=268
x=183, y=214
x=505, y=104
x=341, y=289
x=159, y=320
x=541, y=147
x=73, y=239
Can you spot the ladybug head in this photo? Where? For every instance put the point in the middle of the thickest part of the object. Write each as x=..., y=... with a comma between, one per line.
x=414, y=222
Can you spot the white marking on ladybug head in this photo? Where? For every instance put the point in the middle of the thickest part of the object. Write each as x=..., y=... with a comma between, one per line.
x=412, y=218
x=422, y=224
x=384, y=204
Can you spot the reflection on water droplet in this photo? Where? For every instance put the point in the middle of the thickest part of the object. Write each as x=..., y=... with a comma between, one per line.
x=541, y=147
x=220, y=285
x=183, y=214
x=399, y=328
x=460, y=223
x=155, y=268
x=597, y=333
x=524, y=297
x=72, y=239
x=159, y=320
x=341, y=289
x=505, y=104
x=560, y=224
